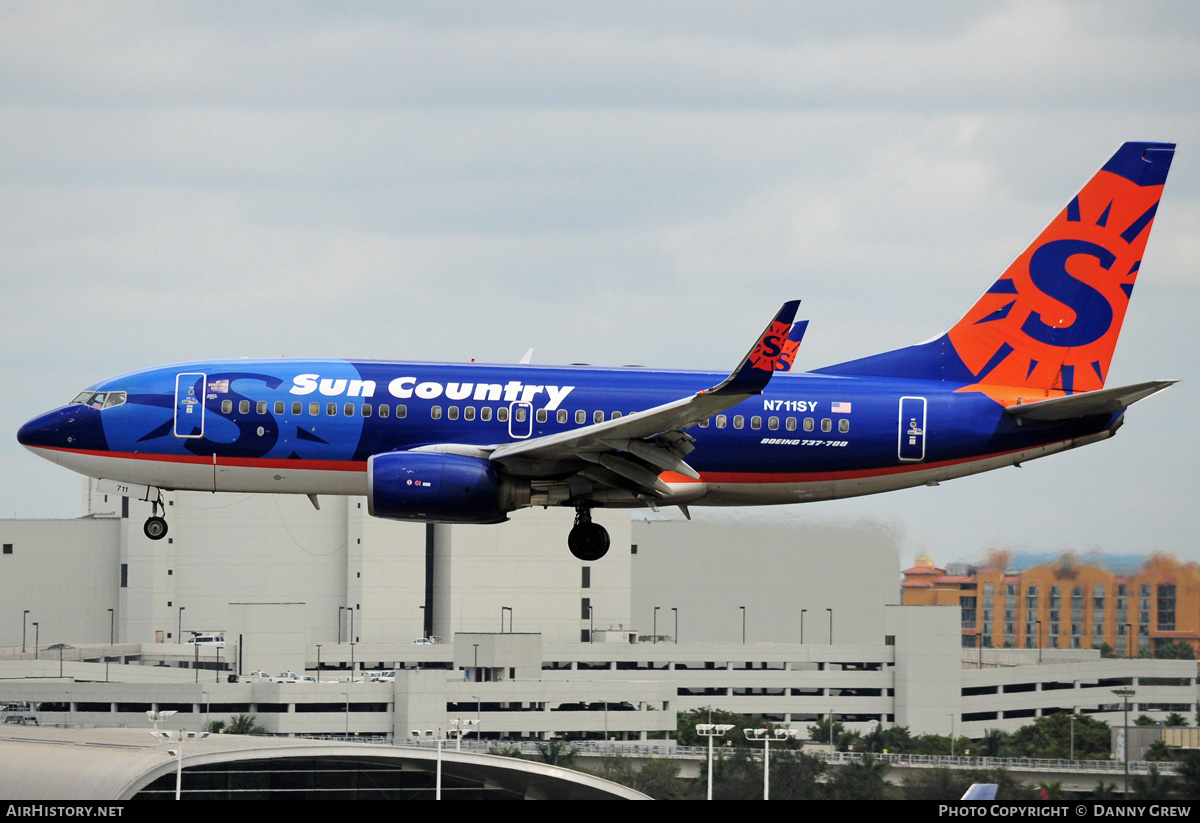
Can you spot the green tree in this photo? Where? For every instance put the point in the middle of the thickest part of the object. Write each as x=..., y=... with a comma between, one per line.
x=1145, y=720
x=1188, y=775
x=843, y=740
x=1159, y=751
x=1104, y=791
x=1151, y=786
x=893, y=740
x=1175, y=651
x=215, y=727
x=993, y=743
x=557, y=753
x=660, y=779
x=244, y=724
x=1050, y=737
x=1175, y=719
x=1106, y=650
x=859, y=781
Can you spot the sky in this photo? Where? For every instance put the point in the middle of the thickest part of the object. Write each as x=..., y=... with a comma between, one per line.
x=606, y=182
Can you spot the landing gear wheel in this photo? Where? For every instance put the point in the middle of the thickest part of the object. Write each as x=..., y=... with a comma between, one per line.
x=588, y=541
x=155, y=528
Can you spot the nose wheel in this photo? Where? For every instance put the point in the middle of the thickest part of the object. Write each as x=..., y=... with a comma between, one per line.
x=155, y=526
x=588, y=541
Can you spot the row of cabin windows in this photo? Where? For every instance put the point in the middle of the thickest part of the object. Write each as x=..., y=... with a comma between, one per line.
x=485, y=414
x=314, y=409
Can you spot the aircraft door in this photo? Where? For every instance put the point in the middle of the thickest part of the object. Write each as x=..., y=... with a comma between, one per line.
x=912, y=429
x=189, y=404
x=520, y=420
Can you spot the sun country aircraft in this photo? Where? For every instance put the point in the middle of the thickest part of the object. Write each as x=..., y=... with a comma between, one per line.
x=1020, y=376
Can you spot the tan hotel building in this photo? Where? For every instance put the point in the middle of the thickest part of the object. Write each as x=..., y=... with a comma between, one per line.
x=1064, y=605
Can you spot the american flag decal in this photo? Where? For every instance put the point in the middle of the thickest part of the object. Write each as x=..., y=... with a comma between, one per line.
x=840, y=408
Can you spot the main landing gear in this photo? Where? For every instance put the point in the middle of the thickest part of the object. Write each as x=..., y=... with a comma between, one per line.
x=587, y=540
x=155, y=526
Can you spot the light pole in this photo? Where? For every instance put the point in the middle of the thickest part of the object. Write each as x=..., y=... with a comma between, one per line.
x=340, y=610
x=177, y=753
x=1073, y=710
x=24, y=617
x=676, y=610
x=830, y=626
x=478, y=716
x=711, y=730
x=36, y=641
x=458, y=728
x=831, y=730
x=1128, y=641
x=802, y=611
x=656, y=608
x=743, y=608
x=318, y=645
x=1039, y=639
x=347, y=696
x=179, y=627
x=952, y=734
x=112, y=627
x=504, y=609
x=591, y=623
x=766, y=735
x=1125, y=692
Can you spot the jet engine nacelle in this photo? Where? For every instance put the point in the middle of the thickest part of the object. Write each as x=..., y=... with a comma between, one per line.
x=433, y=487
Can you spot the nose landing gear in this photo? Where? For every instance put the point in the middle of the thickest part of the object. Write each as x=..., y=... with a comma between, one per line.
x=155, y=526
x=588, y=541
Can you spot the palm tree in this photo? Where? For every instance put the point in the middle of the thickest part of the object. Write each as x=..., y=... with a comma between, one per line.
x=244, y=724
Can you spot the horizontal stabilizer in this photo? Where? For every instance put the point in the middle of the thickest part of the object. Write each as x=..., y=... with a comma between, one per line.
x=1104, y=401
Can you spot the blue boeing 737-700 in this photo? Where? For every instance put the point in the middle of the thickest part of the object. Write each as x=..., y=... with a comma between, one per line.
x=1020, y=376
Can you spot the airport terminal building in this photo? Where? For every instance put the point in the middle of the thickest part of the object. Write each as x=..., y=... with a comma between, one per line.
x=786, y=619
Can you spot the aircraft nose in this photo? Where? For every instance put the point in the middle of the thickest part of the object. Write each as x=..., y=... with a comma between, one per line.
x=41, y=431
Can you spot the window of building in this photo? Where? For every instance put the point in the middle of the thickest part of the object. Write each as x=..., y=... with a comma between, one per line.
x=586, y=608
x=587, y=578
x=8, y=548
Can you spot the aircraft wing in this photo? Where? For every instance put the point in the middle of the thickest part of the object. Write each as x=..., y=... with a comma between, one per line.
x=1102, y=401
x=634, y=449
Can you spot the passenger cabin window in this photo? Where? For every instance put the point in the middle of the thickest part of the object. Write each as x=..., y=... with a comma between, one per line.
x=756, y=422
x=348, y=409
x=541, y=415
x=615, y=416
x=843, y=425
x=367, y=410
x=520, y=414
x=314, y=409
x=773, y=423
x=580, y=416
x=704, y=423
x=435, y=412
x=502, y=414
x=826, y=425
x=469, y=413
x=226, y=406
x=485, y=413
x=244, y=407
x=297, y=408
x=452, y=413
x=808, y=424
x=385, y=410
x=597, y=416
x=331, y=409
x=401, y=410
x=561, y=416
x=279, y=407
x=791, y=424
x=738, y=421
x=261, y=407
x=720, y=421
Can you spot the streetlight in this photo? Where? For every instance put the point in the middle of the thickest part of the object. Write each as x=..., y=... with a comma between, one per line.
x=952, y=734
x=340, y=610
x=1125, y=692
x=318, y=645
x=802, y=611
x=711, y=730
x=674, y=609
x=656, y=608
x=830, y=626
x=766, y=736
x=36, y=641
x=1073, y=710
x=112, y=627
x=1039, y=639
x=743, y=608
x=504, y=609
x=591, y=623
x=478, y=716
x=177, y=753
x=24, y=617
x=179, y=628
x=458, y=728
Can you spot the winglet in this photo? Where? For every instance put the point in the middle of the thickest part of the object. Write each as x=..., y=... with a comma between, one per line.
x=764, y=358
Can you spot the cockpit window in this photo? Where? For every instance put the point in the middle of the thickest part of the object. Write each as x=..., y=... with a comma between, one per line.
x=99, y=399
